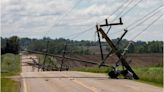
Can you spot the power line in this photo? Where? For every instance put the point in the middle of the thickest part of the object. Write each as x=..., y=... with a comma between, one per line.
x=131, y=8
x=78, y=34
x=58, y=23
x=116, y=32
x=59, y=19
x=124, y=13
x=144, y=16
x=70, y=10
x=142, y=31
x=147, y=27
x=81, y=32
x=128, y=3
x=139, y=23
x=141, y=18
x=120, y=7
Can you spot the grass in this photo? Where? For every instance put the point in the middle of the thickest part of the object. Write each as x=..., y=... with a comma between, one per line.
x=10, y=66
x=93, y=69
x=151, y=75
x=8, y=85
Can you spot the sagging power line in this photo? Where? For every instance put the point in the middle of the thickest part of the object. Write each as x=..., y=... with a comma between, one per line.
x=144, y=18
x=142, y=31
x=127, y=70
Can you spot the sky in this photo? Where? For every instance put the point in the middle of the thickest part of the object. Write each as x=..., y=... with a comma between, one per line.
x=77, y=19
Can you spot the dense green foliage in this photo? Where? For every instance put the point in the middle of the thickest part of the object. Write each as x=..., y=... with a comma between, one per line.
x=141, y=46
x=10, y=45
x=57, y=45
x=147, y=47
x=54, y=46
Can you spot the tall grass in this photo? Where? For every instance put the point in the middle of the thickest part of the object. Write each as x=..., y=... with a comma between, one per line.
x=10, y=64
x=150, y=74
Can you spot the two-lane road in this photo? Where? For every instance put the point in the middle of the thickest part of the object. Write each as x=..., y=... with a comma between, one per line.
x=72, y=81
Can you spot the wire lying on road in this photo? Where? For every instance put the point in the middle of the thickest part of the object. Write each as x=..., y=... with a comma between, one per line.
x=58, y=56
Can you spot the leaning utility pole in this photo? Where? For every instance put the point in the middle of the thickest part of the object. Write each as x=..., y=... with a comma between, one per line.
x=115, y=50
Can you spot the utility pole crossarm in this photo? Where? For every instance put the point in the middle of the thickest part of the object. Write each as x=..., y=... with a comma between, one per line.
x=125, y=31
x=112, y=24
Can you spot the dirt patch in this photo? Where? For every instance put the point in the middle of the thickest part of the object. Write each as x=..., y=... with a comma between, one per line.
x=137, y=60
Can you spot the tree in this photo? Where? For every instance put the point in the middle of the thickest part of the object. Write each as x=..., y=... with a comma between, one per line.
x=12, y=45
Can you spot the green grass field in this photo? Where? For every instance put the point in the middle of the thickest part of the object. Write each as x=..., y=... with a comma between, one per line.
x=93, y=69
x=8, y=85
x=152, y=75
x=10, y=66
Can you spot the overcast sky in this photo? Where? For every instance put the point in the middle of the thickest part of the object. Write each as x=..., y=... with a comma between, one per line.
x=62, y=18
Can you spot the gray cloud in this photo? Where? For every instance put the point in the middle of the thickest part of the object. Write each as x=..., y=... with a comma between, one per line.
x=37, y=18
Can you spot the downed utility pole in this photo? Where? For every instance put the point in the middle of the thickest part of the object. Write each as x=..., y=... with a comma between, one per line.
x=68, y=58
x=115, y=73
x=44, y=62
x=63, y=57
x=97, y=27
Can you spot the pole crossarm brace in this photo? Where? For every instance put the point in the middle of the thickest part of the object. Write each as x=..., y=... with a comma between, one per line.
x=125, y=31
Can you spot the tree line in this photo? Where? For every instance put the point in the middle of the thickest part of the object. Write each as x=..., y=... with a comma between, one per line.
x=56, y=46
x=141, y=46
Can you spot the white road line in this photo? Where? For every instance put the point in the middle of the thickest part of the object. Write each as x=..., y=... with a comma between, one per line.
x=24, y=85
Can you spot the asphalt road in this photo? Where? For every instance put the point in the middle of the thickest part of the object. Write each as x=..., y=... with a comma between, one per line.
x=72, y=81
